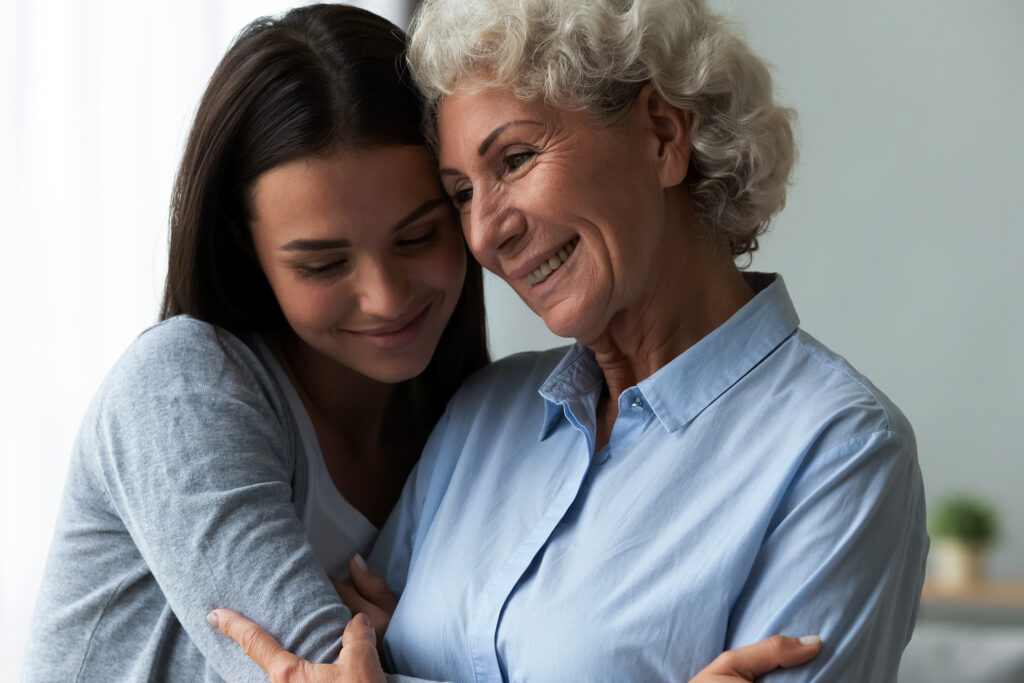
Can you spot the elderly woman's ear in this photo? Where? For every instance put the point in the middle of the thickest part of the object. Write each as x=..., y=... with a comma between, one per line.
x=670, y=128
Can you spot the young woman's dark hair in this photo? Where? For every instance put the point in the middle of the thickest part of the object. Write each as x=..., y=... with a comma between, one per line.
x=317, y=80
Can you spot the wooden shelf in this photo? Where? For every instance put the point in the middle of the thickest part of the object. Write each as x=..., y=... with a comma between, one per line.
x=995, y=593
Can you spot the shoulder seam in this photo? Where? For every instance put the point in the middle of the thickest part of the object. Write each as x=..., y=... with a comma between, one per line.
x=858, y=380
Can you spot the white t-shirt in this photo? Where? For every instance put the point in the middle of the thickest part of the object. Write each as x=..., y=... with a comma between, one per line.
x=336, y=529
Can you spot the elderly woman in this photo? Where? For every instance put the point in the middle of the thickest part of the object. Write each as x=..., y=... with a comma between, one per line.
x=696, y=472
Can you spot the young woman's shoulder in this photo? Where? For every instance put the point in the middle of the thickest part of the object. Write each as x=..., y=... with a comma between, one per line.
x=186, y=357
x=183, y=345
x=185, y=377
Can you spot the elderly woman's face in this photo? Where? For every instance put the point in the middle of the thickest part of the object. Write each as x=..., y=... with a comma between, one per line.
x=568, y=212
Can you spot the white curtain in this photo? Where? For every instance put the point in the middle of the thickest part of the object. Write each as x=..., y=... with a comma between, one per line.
x=97, y=97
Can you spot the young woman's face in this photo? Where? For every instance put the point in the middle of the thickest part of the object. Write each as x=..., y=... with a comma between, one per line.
x=363, y=255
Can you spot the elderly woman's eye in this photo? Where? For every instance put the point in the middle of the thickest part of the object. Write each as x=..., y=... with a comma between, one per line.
x=517, y=159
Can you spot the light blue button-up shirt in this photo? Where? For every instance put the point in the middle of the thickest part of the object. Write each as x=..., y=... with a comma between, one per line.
x=757, y=484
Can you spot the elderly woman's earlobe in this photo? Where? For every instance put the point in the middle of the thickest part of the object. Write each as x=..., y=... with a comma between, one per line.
x=670, y=126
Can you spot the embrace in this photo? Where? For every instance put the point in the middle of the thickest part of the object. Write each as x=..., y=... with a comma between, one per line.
x=664, y=499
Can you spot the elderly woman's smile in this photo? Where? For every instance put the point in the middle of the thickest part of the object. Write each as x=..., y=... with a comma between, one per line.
x=549, y=265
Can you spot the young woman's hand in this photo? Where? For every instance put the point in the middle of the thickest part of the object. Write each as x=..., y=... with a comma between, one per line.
x=357, y=663
x=373, y=603
x=747, y=663
x=368, y=594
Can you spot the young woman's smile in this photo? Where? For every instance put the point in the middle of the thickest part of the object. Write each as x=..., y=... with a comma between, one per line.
x=396, y=335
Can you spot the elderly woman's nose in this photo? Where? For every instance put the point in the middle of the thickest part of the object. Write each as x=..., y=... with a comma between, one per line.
x=494, y=229
x=385, y=290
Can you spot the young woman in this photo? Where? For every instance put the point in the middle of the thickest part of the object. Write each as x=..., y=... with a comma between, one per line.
x=320, y=308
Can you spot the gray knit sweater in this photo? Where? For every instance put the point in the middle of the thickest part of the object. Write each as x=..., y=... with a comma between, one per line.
x=184, y=493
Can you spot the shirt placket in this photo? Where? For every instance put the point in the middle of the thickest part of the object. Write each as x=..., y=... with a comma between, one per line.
x=484, y=631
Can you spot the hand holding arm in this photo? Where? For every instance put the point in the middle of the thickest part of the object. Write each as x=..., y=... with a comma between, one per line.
x=368, y=594
x=358, y=662
x=747, y=663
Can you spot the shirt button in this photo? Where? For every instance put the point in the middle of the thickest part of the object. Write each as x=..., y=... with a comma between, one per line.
x=638, y=403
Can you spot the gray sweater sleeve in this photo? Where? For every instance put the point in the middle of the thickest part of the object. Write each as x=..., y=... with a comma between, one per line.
x=181, y=484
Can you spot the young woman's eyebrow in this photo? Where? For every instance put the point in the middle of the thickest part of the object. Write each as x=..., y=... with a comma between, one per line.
x=320, y=245
x=423, y=209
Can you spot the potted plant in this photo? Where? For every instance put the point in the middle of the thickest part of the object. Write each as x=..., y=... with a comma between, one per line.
x=963, y=527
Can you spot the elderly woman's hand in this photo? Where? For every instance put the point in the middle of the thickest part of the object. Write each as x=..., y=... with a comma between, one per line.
x=368, y=594
x=357, y=663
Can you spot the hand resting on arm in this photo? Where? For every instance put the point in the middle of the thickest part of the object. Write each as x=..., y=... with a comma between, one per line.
x=359, y=662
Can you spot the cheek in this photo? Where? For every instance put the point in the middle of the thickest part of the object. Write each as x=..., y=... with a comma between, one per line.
x=318, y=306
x=305, y=304
x=446, y=268
x=301, y=314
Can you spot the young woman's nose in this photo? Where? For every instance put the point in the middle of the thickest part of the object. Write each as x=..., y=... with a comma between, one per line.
x=385, y=290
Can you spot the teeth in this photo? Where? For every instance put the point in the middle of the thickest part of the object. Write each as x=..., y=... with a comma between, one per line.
x=551, y=265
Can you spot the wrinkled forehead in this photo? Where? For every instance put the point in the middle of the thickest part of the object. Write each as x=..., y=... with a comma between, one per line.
x=469, y=120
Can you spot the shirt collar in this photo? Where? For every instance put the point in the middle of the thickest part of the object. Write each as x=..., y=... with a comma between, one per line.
x=576, y=375
x=693, y=380
x=680, y=391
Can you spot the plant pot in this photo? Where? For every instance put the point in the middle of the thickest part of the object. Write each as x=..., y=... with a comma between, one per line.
x=956, y=563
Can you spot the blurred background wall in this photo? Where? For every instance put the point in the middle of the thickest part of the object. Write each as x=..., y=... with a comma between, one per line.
x=899, y=244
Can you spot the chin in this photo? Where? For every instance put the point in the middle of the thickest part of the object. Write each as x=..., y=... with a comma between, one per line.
x=571, y=324
x=564, y=328
x=396, y=372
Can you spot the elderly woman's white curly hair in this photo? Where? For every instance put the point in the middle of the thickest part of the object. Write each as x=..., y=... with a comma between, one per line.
x=596, y=55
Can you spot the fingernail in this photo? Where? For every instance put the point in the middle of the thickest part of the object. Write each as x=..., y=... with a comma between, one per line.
x=365, y=619
x=810, y=640
x=361, y=563
x=213, y=619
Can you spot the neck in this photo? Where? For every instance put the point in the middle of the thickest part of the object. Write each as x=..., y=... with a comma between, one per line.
x=351, y=404
x=693, y=288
